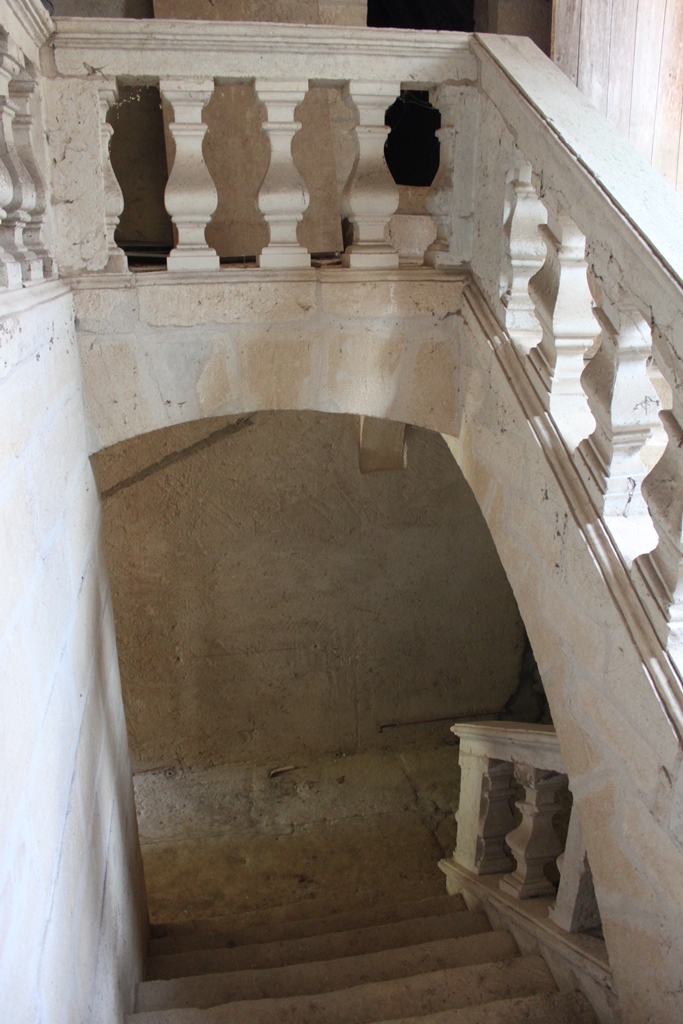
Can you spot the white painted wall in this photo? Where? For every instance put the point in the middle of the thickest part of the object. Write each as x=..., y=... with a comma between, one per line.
x=71, y=887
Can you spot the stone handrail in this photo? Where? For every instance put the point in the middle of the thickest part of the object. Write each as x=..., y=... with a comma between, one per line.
x=495, y=757
x=588, y=285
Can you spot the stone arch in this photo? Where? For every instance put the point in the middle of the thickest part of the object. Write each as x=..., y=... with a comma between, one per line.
x=446, y=370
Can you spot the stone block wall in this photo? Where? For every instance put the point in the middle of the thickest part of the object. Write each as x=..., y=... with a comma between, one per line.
x=72, y=893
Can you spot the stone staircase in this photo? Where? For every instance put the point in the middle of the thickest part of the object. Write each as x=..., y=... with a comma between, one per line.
x=429, y=959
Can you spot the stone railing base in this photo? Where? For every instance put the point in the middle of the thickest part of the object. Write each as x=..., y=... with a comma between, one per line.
x=575, y=960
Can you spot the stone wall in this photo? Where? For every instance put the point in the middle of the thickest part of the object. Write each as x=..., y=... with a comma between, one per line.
x=70, y=871
x=274, y=604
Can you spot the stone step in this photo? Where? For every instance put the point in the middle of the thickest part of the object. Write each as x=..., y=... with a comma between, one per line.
x=328, y=905
x=377, y=1001
x=544, y=1008
x=222, y=932
x=332, y=946
x=326, y=976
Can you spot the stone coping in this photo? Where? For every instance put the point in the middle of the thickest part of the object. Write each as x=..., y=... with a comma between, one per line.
x=519, y=742
x=144, y=48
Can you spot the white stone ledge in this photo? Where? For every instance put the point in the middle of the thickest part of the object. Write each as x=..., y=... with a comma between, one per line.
x=243, y=50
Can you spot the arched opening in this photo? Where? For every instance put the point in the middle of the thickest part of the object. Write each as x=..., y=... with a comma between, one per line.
x=295, y=639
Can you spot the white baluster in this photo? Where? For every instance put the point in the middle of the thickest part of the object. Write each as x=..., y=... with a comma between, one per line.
x=10, y=269
x=191, y=196
x=283, y=196
x=658, y=575
x=113, y=196
x=370, y=196
x=563, y=305
x=526, y=253
x=439, y=201
x=22, y=90
x=625, y=406
x=19, y=207
x=534, y=843
x=484, y=816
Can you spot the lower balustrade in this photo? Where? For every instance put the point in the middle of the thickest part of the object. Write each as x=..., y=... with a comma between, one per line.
x=498, y=759
x=509, y=851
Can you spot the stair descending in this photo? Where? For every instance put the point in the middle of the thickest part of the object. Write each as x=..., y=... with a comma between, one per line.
x=429, y=961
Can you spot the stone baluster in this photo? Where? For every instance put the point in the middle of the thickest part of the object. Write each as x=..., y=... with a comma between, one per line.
x=625, y=406
x=576, y=908
x=191, y=196
x=526, y=255
x=22, y=91
x=19, y=207
x=563, y=306
x=534, y=843
x=117, y=262
x=370, y=196
x=283, y=196
x=439, y=201
x=484, y=815
x=10, y=269
x=658, y=575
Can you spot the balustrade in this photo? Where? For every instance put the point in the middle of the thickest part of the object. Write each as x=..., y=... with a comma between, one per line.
x=497, y=758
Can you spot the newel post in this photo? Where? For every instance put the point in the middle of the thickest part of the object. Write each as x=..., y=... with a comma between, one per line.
x=283, y=197
x=191, y=196
x=370, y=196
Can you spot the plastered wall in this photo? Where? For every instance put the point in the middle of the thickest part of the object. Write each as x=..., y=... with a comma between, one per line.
x=272, y=603
x=71, y=889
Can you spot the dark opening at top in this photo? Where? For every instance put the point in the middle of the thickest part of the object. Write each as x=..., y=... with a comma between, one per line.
x=451, y=15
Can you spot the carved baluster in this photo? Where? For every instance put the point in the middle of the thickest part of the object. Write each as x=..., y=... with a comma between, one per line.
x=22, y=90
x=658, y=574
x=18, y=209
x=439, y=201
x=576, y=909
x=534, y=843
x=283, y=197
x=191, y=196
x=370, y=196
x=484, y=816
x=563, y=305
x=113, y=196
x=10, y=269
x=625, y=406
x=527, y=253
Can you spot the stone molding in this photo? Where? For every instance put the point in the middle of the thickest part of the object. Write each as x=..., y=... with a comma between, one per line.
x=520, y=743
x=29, y=24
x=237, y=50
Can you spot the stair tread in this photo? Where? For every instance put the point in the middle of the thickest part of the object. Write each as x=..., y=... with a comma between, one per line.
x=415, y=996
x=330, y=946
x=224, y=932
x=542, y=1008
x=326, y=976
